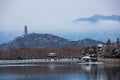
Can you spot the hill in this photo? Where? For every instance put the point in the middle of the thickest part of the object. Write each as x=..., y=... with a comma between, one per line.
x=45, y=41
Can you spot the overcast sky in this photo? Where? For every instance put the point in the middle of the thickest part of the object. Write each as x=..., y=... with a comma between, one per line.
x=56, y=16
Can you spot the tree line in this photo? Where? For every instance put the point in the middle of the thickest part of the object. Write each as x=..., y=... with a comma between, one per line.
x=109, y=50
x=39, y=53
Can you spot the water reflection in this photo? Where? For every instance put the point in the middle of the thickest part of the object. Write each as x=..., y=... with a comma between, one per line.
x=54, y=71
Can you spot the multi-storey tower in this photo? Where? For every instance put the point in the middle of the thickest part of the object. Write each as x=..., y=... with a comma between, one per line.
x=25, y=30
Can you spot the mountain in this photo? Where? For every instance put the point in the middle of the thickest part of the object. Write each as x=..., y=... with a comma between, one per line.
x=96, y=18
x=45, y=40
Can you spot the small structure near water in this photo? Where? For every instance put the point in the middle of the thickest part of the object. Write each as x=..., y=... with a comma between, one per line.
x=100, y=47
x=52, y=56
x=86, y=59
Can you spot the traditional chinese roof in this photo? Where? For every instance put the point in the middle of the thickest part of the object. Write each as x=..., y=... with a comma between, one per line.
x=100, y=45
x=52, y=54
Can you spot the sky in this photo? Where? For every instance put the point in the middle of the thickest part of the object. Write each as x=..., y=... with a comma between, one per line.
x=56, y=17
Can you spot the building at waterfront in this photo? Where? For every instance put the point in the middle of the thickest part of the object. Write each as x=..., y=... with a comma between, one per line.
x=52, y=56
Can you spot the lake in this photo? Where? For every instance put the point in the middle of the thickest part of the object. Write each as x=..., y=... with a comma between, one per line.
x=59, y=71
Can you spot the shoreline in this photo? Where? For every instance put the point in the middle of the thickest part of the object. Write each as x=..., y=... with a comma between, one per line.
x=110, y=62
x=35, y=61
x=39, y=61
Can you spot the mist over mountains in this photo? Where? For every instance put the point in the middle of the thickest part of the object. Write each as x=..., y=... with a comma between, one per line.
x=35, y=40
x=97, y=18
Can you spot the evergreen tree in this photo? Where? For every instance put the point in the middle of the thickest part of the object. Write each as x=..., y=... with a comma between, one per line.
x=108, y=41
x=117, y=42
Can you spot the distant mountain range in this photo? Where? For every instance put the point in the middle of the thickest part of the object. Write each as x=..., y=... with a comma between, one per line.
x=45, y=41
x=96, y=18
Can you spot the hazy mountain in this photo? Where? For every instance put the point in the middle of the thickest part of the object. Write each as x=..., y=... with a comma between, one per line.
x=96, y=18
x=45, y=40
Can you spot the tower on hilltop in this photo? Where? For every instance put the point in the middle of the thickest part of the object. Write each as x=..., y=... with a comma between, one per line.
x=25, y=30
